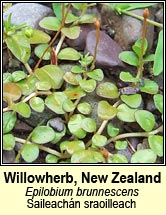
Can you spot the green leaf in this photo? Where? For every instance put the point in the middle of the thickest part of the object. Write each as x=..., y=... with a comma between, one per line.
x=43, y=85
x=118, y=158
x=158, y=58
x=75, y=126
x=8, y=142
x=7, y=77
x=52, y=74
x=28, y=85
x=39, y=50
x=158, y=101
x=73, y=146
x=71, y=78
x=68, y=105
x=127, y=77
x=37, y=104
x=19, y=46
x=57, y=8
x=99, y=140
x=125, y=113
x=68, y=54
x=30, y=152
x=112, y=130
x=121, y=145
x=145, y=119
x=51, y=158
x=137, y=47
x=74, y=92
x=9, y=120
x=144, y=156
x=84, y=108
x=107, y=90
x=50, y=23
x=129, y=57
x=71, y=32
x=11, y=92
x=42, y=134
x=58, y=136
x=106, y=111
x=55, y=102
x=70, y=18
x=149, y=58
x=156, y=144
x=88, y=85
x=87, y=156
x=96, y=74
x=77, y=69
x=89, y=125
x=39, y=37
x=150, y=87
x=134, y=101
x=22, y=108
x=18, y=75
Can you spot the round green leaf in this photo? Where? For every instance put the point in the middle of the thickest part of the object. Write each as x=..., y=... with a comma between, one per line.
x=55, y=102
x=96, y=74
x=99, y=140
x=87, y=18
x=39, y=37
x=74, y=146
x=30, y=152
x=68, y=54
x=137, y=47
x=112, y=130
x=39, y=50
x=7, y=77
x=19, y=46
x=37, y=104
x=127, y=77
x=75, y=127
x=58, y=136
x=9, y=120
x=144, y=156
x=43, y=85
x=51, y=158
x=145, y=119
x=50, y=23
x=129, y=57
x=87, y=156
x=89, y=125
x=107, y=90
x=134, y=101
x=125, y=113
x=121, y=145
x=22, y=108
x=118, y=158
x=150, y=87
x=52, y=74
x=8, y=142
x=158, y=101
x=42, y=134
x=88, y=85
x=74, y=92
x=156, y=144
x=71, y=32
x=106, y=111
x=84, y=108
x=77, y=69
x=68, y=105
x=71, y=78
x=18, y=75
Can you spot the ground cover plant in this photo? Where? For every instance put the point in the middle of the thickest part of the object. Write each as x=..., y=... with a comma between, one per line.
x=72, y=134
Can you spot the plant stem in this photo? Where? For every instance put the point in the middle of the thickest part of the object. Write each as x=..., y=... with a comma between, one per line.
x=141, y=63
x=36, y=94
x=28, y=68
x=60, y=44
x=41, y=147
x=141, y=18
x=135, y=134
x=55, y=37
